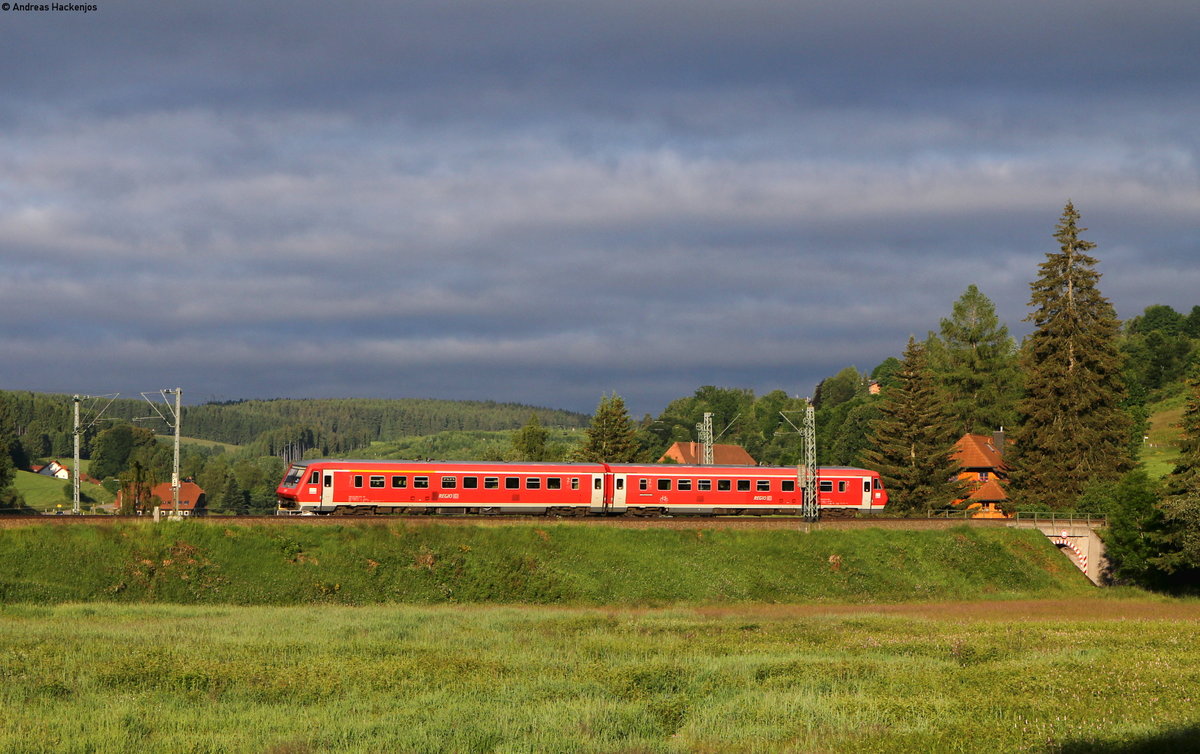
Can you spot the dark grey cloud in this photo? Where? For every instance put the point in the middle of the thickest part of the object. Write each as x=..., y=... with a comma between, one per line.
x=541, y=201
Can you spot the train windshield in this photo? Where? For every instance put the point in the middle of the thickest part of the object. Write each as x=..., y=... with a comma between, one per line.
x=294, y=475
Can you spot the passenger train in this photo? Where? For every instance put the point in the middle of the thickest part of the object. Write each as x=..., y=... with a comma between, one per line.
x=343, y=487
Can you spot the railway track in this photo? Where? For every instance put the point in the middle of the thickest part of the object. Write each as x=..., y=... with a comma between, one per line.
x=665, y=522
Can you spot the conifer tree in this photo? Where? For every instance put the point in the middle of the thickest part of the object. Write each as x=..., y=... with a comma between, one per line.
x=1178, y=537
x=1073, y=430
x=912, y=443
x=611, y=437
x=975, y=361
x=529, y=443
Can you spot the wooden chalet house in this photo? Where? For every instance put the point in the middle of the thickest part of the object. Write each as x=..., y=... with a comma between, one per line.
x=983, y=473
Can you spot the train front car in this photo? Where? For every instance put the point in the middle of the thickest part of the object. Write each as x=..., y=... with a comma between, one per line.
x=288, y=493
x=365, y=487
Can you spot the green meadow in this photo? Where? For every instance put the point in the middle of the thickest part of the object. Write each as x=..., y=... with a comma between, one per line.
x=158, y=678
x=208, y=636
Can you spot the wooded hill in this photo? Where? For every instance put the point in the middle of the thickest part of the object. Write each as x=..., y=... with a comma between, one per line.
x=42, y=422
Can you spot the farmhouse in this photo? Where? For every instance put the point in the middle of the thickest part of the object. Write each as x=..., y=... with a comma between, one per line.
x=192, y=500
x=692, y=453
x=54, y=469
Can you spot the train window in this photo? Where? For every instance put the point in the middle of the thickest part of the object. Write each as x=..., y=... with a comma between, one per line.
x=316, y=475
x=762, y=485
x=664, y=485
x=512, y=483
x=377, y=482
x=643, y=484
x=620, y=482
x=723, y=485
x=788, y=485
x=294, y=475
x=329, y=479
x=875, y=483
x=866, y=485
x=449, y=482
x=421, y=482
x=399, y=482
x=841, y=486
x=533, y=483
x=704, y=485
x=553, y=483
x=743, y=485
x=358, y=480
x=470, y=483
x=597, y=483
x=491, y=482
x=574, y=482
x=826, y=486
x=685, y=485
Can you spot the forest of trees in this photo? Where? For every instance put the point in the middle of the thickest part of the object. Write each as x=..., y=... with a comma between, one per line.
x=1074, y=395
x=270, y=434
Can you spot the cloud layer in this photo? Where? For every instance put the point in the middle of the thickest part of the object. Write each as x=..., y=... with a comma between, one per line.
x=541, y=202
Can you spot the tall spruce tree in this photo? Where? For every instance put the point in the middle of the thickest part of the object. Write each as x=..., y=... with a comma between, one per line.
x=1073, y=430
x=975, y=361
x=912, y=443
x=612, y=436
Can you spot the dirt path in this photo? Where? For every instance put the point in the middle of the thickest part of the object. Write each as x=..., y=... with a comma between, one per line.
x=1064, y=609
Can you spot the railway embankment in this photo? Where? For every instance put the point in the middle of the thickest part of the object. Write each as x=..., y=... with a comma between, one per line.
x=214, y=562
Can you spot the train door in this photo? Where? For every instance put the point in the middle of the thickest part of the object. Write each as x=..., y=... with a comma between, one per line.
x=327, y=489
x=619, y=490
x=866, y=493
x=599, y=497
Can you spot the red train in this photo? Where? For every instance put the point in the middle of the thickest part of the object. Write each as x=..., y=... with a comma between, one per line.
x=370, y=487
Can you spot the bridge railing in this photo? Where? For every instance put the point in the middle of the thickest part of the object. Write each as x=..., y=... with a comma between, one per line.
x=1061, y=518
x=1037, y=518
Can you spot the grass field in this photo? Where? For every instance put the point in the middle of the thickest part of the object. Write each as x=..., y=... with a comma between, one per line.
x=920, y=678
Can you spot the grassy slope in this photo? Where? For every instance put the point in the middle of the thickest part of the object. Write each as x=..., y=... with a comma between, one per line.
x=1162, y=444
x=213, y=562
x=44, y=493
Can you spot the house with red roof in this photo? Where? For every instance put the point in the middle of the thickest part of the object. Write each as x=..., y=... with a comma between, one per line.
x=983, y=473
x=192, y=500
x=54, y=469
x=692, y=454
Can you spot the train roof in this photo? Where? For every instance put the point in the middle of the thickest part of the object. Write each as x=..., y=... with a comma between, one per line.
x=560, y=464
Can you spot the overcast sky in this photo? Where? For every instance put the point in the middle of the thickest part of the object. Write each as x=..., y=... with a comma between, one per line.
x=545, y=201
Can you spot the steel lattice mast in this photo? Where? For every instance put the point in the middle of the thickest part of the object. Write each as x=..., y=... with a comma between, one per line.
x=808, y=471
x=705, y=430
